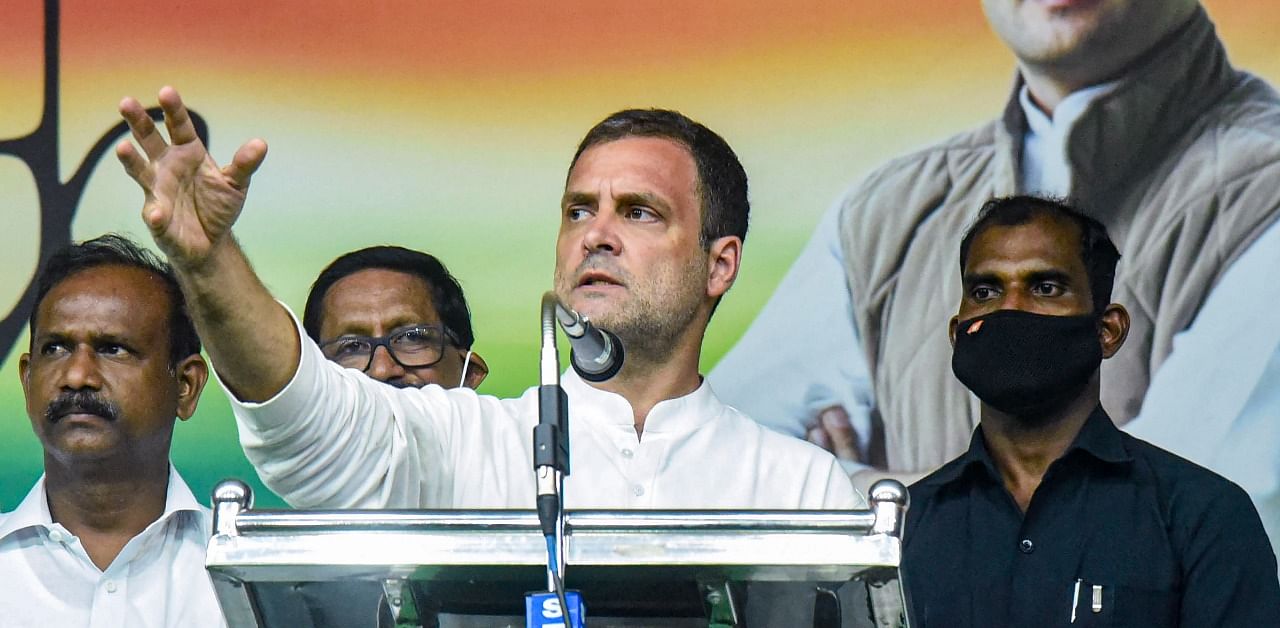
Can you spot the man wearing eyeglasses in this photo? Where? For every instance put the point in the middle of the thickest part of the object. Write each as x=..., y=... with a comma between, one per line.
x=652, y=221
x=397, y=315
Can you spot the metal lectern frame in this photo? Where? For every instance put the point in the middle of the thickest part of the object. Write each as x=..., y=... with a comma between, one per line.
x=399, y=548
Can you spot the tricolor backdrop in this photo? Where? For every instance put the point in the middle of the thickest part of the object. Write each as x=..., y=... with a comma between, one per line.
x=447, y=126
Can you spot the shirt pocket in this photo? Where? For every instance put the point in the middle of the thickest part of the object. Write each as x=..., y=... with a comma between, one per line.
x=1101, y=605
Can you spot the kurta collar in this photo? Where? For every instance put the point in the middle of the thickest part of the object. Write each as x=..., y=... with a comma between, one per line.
x=670, y=416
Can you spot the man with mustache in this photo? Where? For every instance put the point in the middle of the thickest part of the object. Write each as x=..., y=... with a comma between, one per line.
x=396, y=315
x=651, y=228
x=1054, y=517
x=110, y=535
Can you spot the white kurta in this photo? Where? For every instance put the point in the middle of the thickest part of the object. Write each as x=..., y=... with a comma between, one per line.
x=334, y=438
x=158, y=580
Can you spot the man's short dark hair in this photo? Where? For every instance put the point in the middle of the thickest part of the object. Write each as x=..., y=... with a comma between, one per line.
x=117, y=250
x=722, y=182
x=1097, y=251
x=446, y=294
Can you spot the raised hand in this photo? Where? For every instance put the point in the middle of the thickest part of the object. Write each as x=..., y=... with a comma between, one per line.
x=190, y=202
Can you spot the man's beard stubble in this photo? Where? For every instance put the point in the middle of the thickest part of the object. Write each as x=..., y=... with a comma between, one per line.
x=654, y=317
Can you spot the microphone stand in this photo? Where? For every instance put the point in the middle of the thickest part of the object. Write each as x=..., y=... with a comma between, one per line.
x=551, y=447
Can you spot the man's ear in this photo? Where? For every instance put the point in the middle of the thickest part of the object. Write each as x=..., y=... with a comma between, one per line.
x=24, y=367
x=951, y=330
x=192, y=373
x=476, y=372
x=724, y=258
x=1113, y=328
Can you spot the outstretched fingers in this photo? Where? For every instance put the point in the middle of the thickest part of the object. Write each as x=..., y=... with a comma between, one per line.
x=135, y=165
x=143, y=129
x=191, y=203
x=245, y=163
x=181, y=129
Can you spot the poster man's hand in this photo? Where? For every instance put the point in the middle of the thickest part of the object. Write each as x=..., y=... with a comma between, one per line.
x=833, y=431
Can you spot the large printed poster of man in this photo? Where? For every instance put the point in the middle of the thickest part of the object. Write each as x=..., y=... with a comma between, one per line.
x=447, y=126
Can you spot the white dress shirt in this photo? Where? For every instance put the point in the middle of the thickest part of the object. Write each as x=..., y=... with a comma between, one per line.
x=157, y=581
x=1214, y=400
x=335, y=438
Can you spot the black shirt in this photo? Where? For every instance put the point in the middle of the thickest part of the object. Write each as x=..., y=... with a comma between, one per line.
x=1146, y=538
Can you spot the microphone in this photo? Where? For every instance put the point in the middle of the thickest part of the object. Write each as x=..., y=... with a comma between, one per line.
x=551, y=465
x=596, y=354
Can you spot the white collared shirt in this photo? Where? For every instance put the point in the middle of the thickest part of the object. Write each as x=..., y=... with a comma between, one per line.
x=335, y=438
x=158, y=580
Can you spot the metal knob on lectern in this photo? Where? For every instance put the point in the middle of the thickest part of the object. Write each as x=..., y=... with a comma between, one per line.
x=230, y=498
x=889, y=500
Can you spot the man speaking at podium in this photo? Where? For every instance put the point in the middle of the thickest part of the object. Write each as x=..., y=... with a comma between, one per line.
x=652, y=223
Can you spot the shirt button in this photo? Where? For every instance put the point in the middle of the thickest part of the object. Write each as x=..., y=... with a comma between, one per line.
x=628, y=454
x=111, y=586
x=57, y=536
x=1026, y=546
x=637, y=490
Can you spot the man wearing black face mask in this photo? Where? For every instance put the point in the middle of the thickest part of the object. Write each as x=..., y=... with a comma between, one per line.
x=1054, y=517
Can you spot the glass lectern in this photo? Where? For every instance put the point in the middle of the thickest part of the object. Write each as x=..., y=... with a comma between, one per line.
x=463, y=569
